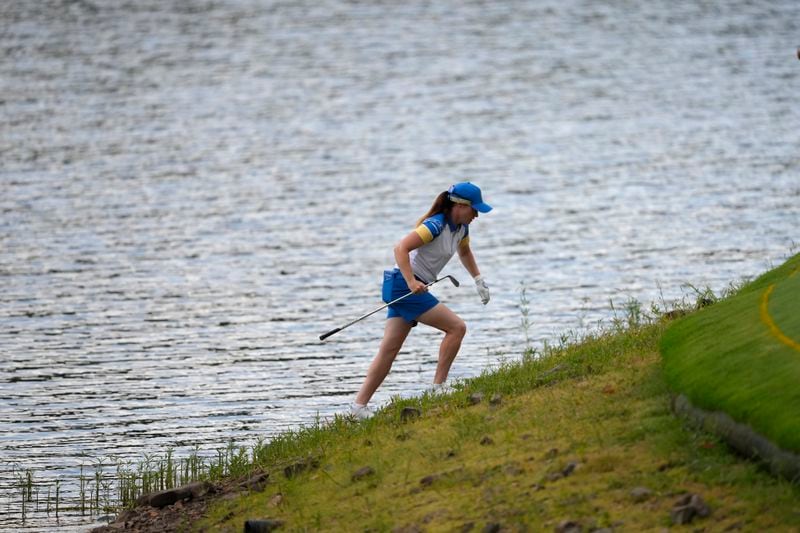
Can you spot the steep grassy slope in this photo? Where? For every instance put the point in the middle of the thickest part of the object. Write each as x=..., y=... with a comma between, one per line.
x=742, y=356
x=583, y=434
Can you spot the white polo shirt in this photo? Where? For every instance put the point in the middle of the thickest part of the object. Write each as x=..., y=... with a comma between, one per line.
x=442, y=239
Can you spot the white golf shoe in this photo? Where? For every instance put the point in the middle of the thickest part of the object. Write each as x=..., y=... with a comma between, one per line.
x=361, y=412
x=438, y=389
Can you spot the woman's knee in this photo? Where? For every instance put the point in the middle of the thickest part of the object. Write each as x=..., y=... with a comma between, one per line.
x=390, y=348
x=459, y=328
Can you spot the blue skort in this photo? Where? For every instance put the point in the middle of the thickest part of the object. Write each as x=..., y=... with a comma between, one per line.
x=394, y=286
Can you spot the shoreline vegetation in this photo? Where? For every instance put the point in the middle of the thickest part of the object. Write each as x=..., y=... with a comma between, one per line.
x=576, y=436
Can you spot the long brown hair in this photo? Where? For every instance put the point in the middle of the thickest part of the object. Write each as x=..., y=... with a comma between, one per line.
x=442, y=204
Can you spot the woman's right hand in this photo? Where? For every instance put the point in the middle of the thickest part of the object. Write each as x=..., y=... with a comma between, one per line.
x=417, y=286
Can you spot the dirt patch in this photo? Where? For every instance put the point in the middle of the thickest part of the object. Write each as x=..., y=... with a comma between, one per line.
x=187, y=505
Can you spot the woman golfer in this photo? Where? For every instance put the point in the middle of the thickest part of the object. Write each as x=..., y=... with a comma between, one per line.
x=420, y=256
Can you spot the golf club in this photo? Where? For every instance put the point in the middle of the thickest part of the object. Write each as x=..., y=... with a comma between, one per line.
x=453, y=280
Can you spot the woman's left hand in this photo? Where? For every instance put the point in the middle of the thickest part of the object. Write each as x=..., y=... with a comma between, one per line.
x=483, y=289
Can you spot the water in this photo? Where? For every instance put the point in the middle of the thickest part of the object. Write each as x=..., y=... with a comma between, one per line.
x=192, y=192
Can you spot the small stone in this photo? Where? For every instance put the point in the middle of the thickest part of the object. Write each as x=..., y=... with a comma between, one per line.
x=256, y=483
x=675, y=314
x=569, y=469
x=687, y=508
x=301, y=466
x=363, y=472
x=169, y=497
x=276, y=500
x=410, y=413
x=427, y=481
x=555, y=476
x=292, y=470
x=568, y=526
x=683, y=514
x=158, y=499
x=199, y=489
x=487, y=441
x=641, y=494
x=496, y=399
x=475, y=398
x=704, y=301
x=699, y=506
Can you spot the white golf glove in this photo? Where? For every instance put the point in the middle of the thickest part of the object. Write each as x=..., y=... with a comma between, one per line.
x=483, y=289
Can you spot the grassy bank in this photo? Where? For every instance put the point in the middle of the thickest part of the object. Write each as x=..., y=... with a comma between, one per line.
x=742, y=356
x=582, y=432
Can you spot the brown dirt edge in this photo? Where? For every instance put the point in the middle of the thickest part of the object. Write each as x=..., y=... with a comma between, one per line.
x=741, y=438
x=176, y=509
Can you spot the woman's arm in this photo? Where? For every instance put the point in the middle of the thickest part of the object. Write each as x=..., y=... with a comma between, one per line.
x=468, y=260
x=410, y=242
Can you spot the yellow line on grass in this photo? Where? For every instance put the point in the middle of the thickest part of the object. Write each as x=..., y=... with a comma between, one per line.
x=767, y=319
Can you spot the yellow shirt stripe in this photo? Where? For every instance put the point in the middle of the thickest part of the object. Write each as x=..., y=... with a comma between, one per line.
x=423, y=231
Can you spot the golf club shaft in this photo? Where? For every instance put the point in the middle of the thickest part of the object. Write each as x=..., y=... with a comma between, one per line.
x=384, y=306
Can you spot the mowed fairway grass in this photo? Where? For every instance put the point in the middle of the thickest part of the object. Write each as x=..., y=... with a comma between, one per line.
x=742, y=356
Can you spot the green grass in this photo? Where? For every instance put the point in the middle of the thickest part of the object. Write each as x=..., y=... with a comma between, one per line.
x=727, y=358
x=600, y=402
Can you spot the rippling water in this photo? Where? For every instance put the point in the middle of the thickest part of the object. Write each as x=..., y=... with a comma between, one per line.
x=193, y=191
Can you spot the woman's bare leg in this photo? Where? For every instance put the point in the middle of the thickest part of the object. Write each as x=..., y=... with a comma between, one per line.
x=443, y=319
x=394, y=335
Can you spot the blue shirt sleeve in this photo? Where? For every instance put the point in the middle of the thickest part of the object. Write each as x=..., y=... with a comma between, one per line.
x=435, y=224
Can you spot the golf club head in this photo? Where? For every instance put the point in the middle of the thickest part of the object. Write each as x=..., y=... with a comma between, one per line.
x=453, y=280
